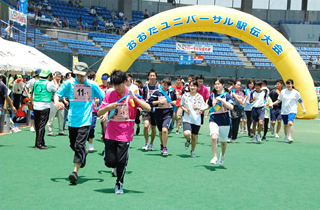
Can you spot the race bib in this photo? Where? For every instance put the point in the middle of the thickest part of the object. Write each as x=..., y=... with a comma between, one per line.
x=82, y=92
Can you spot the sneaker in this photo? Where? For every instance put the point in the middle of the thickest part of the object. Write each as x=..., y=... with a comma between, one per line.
x=228, y=141
x=51, y=134
x=63, y=134
x=254, y=140
x=161, y=148
x=221, y=160
x=233, y=141
x=187, y=144
x=272, y=130
x=177, y=132
x=193, y=155
x=290, y=139
x=73, y=177
x=114, y=172
x=83, y=164
x=164, y=151
x=91, y=148
x=32, y=129
x=137, y=130
x=146, y=146
x=241, y=131
x=286, y=139
x=214, y=160
x=258, y=138
x=151, y=147
x=15, y=130
x=245, y=129
x=118, y=189
x=277, y=136
x=264, y=138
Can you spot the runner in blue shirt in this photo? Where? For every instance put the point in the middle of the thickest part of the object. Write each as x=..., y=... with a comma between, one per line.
x=81, y=92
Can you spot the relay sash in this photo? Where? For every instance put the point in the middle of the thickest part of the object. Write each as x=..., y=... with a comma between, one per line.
x=240, y=107
x=218, y=105
x=167, y=97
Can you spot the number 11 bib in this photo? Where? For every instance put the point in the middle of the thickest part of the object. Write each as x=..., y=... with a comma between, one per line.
x=82, y=92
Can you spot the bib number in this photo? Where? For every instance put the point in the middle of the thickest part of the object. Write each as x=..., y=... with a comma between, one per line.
x=82, y=92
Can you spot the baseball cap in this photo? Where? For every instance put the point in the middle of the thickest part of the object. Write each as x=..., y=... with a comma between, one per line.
x=37, y=72
x=25, y=100
x=44, y=73
x=80, y=68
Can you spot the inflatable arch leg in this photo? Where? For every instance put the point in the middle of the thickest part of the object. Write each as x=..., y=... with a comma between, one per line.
x=221, y=20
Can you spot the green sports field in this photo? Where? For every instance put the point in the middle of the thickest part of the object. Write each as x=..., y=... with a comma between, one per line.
x=272, y=175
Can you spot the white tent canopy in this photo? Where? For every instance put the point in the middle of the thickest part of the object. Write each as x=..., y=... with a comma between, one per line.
x=18, y=57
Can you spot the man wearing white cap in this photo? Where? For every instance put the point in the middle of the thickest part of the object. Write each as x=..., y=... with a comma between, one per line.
x=81, y=93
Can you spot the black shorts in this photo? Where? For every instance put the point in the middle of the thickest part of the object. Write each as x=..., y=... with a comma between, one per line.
x=191, y=127
x=163, y=123
x=150, y=116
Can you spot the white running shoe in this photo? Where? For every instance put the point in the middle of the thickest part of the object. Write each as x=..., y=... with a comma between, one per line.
x=193, y=155
x=187, y=144
x=91, y=148
x=32, y=129
x=151, y=147
x=290, y=139
x=221, y=160
x=146, y=146
x=118, y=189
x=258, y=138
x=214, y=160
x=277, y=136
x=272, y=129
x=254, y=140
x=286, y=139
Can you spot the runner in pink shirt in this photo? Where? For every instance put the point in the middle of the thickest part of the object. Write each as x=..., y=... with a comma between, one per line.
x=122, y=107
x=177, y=115
x=202, y=90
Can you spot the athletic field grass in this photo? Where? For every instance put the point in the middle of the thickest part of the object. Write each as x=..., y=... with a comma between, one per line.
x=271, y=175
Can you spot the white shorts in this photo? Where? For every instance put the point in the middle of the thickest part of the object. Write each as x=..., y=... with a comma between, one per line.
x=221, y=131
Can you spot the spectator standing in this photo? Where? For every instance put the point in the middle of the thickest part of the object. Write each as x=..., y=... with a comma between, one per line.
x=93, y=12
x=318, y=63
x=18, y=87
x=9, y=31
x=146, y=14
x=310, y=62
x=42, y=91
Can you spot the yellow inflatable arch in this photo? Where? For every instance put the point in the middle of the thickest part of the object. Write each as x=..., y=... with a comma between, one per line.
x=221, y=20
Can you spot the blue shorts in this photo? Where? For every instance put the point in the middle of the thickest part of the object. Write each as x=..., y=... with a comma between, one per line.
x=288, y=117
x=257, y=114
x=32, y=115
x=275, y=114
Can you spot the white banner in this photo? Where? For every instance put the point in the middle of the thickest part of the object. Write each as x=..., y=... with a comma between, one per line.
x=194, y=47
x=17, y=16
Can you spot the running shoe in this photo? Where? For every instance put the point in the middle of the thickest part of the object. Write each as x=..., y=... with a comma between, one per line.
x=258, y=138
x=187, y=144
x=264, y=138
x=193, y=155
x=277, y=136
x=32, y=129
x=177, y=132
x=73, y=177
x=286, y=139
x=214, y=160
x=272, y=129
x=233, y=141
x=91, y=148
x=290, y=139
x=114, y=172
x=161, y=148
x=51, y=134
x=164, y=151
x=221, y=160
x=228, y=141
x=118, y=189
x=63, y=134
x=151, y=147
x=241, y=131
x=146, y=146
x=254, y=140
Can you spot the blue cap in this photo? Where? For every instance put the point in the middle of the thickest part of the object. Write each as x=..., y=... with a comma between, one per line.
x=37, y=72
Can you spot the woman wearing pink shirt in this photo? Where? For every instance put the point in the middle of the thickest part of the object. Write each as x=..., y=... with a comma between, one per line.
x=122, y=107
x=202, y=90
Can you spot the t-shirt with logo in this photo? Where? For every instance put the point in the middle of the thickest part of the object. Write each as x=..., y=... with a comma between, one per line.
x=189, y=102
x=178, y=90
